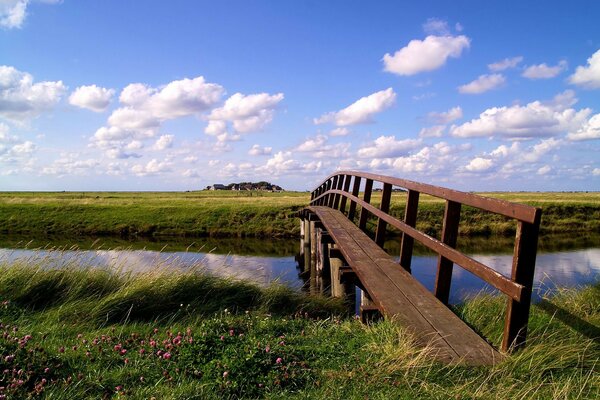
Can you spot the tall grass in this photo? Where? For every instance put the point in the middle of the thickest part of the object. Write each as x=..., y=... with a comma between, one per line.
x=88, y=333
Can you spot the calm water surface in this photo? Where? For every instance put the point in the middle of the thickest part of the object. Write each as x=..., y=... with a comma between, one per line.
x=561, y=261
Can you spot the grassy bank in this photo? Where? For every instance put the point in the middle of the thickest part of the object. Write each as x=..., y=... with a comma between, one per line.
x=94, y=334
x=237, y=214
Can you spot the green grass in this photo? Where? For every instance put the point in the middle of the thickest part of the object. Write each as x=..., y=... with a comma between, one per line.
x=237, y=214
x=86, y=333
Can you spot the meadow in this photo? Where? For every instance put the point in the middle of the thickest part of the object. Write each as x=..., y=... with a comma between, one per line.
x=77, y=333
x=251, y=214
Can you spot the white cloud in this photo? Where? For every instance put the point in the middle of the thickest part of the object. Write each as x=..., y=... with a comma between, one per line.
x=482, y=84
x=544, y=170
x=247, y=113
x=534, y=119
x=362, y=110
x=435, y=26
x=318, y=148
x=190, y=173
x=388, y=147
x=21, y=99
x=588, y=76
x=339, y=132
x=588, y=130
x=91, y=97
x=71, y=165
x=596, y=172
x=446, y=117
x=425, y=55
x=432, y=131
x=256, y=150
x=479, y=164
x=505, y=64
x=153, y=167
x=164, y=142
x=543, y=71
x=117, y=153
x=13, y=12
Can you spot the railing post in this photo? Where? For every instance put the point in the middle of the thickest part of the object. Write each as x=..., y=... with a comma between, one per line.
x=449, y=235
x=340, y=183
x=517, y=312
x=410, y=219
x=355, y=192
x=386, y=196
x=331, y=197
x=346, y=189
x=325, y=189
x=362, y=222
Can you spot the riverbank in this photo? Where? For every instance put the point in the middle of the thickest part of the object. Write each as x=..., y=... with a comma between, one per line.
x=251, y=214
x=184, y=335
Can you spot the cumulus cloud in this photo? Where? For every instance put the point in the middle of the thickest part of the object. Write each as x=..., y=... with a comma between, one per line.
x=589, y=130
x=432, y=131
x=445, y=117
x=425, y=55
x=531, y=120
x=246, y=113
x=153, y=167
x=388, y=146
x=12, y=148
x=13, y=12
x=71, y=164
x=482, y=84
x=319, y=148
x=588, y=76
x=164, y=142
x=362, y=110
x=507, y=63
x=436, y=26
x=479, y=164
x=543, y=71
x=596, y=172
x=339, y=132
x=544, y=170
x=284, y=163
x=21, y=98
x=257, y=150
x=91, y=97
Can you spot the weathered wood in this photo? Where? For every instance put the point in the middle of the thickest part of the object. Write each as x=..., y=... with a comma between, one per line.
x=517, y=312
x=355, y=192
x=338, y=185
x=410, y=219
x=397, y=294
x=449, y=236
x=386, y=196
x=517, y=211
x=347, y=179
x=364, y=214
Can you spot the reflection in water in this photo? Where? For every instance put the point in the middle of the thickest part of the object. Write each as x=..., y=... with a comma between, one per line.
x=265, y=261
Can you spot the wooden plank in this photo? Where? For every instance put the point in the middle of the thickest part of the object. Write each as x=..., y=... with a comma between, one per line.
x=443, y=279
x=411, y=302
x=521, y=212
x=410, y=219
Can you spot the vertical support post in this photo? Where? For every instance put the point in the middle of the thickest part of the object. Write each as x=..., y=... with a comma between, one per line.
x=449, y=235
x=362, y=222
x=346, y=189
x=338, y=186
x=410, y=219
x=330, y=184
x=386, y=196
x=517, y=312
x=355, y=192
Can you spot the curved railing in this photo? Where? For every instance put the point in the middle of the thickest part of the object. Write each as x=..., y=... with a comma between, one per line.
x=335, y=192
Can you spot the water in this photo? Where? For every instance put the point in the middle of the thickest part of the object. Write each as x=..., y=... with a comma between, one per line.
x=562, y=261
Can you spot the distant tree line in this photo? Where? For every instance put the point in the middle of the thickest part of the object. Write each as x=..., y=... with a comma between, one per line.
x=262, y=185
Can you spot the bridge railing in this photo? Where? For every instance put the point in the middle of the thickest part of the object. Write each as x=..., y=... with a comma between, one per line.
x=342, y=190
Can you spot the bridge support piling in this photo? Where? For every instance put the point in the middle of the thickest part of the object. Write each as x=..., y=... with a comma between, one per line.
x=369, y=312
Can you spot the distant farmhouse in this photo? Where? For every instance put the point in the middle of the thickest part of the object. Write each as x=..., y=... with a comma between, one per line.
x=260, y=186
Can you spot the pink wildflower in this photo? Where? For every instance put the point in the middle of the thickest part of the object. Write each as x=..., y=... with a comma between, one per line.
x=167, y=356
x=278, y=361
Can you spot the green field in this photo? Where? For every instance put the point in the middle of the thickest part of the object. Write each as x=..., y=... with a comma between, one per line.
x=79, y=334
x=251, y=214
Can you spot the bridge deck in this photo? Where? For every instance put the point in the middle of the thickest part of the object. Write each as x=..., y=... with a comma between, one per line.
x=400, y=296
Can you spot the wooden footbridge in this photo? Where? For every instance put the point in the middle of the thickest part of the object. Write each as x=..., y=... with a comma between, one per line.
x=334, y=231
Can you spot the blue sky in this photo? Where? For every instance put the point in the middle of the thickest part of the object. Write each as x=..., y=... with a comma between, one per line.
x=154, y=95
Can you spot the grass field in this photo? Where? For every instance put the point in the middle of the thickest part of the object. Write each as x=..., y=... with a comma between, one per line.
x=250, y=214
x=94, y=334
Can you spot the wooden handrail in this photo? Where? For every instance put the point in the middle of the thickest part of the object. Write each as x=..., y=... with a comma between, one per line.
x=334, y=192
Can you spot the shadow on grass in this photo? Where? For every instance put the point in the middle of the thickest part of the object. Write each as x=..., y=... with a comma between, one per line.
x=583, y=327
